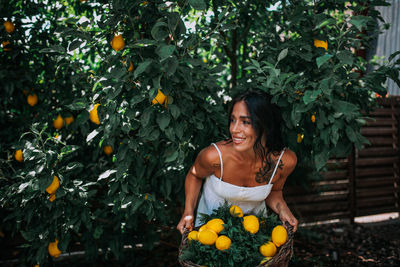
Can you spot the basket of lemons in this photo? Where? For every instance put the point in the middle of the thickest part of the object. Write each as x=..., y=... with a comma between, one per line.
x=229, y=238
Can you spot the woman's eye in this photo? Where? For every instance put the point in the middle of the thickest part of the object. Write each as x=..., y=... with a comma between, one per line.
x=246, y=122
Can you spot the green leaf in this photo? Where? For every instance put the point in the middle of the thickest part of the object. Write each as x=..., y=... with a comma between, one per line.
x=158, y=32
x=164, y=51
x=345, y=57
x=74, y=45
x=322, y=59
x=142, y=67
x=310, y=96
x=171, y=155
x=78, y=104
x=351, y=134
x=324, y=23
x=174, y=110
x=282, y=54
x=198, y=4
x=359, y=22
x=163, y=120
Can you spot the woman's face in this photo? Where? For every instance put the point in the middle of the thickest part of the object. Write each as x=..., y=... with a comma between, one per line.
x=242, y=132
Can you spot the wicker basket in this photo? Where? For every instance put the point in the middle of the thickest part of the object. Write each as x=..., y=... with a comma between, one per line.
x=281, y=259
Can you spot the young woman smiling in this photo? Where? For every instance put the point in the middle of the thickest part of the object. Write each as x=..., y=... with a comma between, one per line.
x=249, y=170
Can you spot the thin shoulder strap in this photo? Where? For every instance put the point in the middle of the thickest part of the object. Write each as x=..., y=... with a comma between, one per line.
x=220, y=159
x=276, y=166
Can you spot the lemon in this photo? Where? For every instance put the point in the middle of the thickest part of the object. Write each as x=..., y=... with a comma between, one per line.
x=18, y=155
x=216, y=225
x=53, y=249
x=130, y=66
x=279, y=235
x=32, y=99
x=313, y=118
x=202, y=228
x=69, y=120
x=251, y=224
x=58, y=123
x=223, y=242
x=300, y=138
x=6, y=46
x=193, y=235
x=320, y=43
x=160, y=98
x=118, y=43
x=268, y=249
x=265, y=260
x=55, y=184
x=236, y=211
x=94, y=117
x=52, y=197
x=207, y=237
x=9, y=26
x=108, y=150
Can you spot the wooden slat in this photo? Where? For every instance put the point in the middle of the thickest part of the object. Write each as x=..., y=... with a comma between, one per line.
x=312, y=217
x=376, y=161
x=377, y=172
x=335, y=175
x=370, y=202
x=383, y=112
x=376, y=191
x=376, y=141
x=377, y=181
x=300, y=199
x=372, y=211
x=378, y=151
x=381, y=122
x=326, y=207
x=368, y=131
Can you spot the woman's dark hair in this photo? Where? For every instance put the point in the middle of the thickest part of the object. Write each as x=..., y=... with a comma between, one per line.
x=266, y=119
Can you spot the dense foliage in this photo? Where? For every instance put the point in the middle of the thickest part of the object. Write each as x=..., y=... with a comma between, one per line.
x=307, y=55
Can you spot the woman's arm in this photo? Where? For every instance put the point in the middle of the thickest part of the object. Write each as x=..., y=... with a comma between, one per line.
x=275, y=199
x=202, y=167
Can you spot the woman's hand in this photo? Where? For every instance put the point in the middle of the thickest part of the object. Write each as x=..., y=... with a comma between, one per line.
x=186, y=222
x=286, y=216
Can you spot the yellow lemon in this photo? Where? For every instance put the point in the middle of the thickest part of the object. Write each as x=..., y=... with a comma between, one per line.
x=55, y=184
x=6, y=46
x=207, y=237
x=94, y=117
x=52, y=197
x=9, y=26
x=18, y=155
x=300, y=138
x=320, y=43
x=53, y=249
x=58, y=123
x=160, y=98
x=130, y=66
x=118, y=43
x=251, y=224
x=313, y=118
x=108, y=150
x=279, y=235
x=193, y=235
x=202, y=228
x=32, y=99
x=69, y=120
x=223, y=242
x=236, y=211
x=216, y=225
x=268, y=249
x=265, y=260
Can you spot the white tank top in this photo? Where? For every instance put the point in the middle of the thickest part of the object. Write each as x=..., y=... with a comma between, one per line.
x=249, y=199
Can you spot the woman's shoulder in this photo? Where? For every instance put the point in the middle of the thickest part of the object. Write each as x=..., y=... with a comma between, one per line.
x=210, y=156
x=289, y=159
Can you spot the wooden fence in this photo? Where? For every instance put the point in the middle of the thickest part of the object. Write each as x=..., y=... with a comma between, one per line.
x=365, y=183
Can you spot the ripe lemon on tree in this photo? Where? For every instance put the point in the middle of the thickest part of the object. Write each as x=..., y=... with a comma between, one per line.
x=6, y=46
x=207, y=237
x=268, y=249
x=160, y=98
x=19, y=156
x=94, y=117
x=223, y=242
x=108, y=150
x=52, y=197
x=9, y=26
x=236, y=211
x=193, y=235
x=300, y=138
x=53, y=249
x=217, y=225
x=69, y=120
x=58, y=123
x=32, y=99
x=251, y=224
x=55, y=184
x=320, y=43
x=117, y=43
x=279, y=235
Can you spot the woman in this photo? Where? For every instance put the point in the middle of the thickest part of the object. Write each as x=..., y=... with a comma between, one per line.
x=248, y=170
